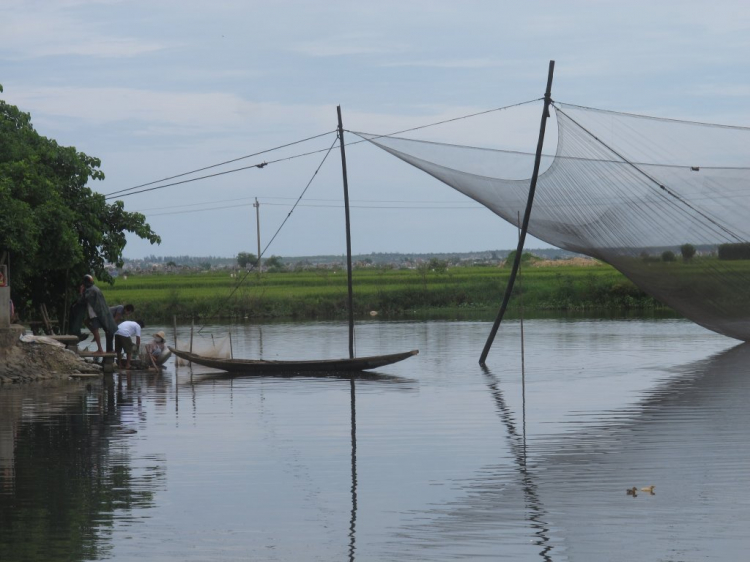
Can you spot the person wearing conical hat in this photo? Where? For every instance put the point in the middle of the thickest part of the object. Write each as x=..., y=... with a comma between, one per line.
x=155, y=348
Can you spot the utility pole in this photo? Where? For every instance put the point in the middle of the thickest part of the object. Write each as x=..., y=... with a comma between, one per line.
x=257, y=222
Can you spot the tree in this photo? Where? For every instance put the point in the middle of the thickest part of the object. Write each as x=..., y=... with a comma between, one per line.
x=687, y=251
x=246, y=258
x=54, y=226
x=526, y=257
x=438, y=266
x=668, y=256
x=274, y=263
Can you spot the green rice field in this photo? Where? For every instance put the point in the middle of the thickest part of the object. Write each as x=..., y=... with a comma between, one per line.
x=322, y=293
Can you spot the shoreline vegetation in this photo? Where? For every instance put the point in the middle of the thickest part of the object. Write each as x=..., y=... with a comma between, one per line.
x=432, y=290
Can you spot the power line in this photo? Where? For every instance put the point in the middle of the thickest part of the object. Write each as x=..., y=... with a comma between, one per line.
x=239, y=283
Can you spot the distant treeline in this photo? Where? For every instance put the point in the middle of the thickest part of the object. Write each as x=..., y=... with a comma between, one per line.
x=376, y=258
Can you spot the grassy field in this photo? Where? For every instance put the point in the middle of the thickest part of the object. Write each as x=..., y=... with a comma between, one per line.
x=322, y=293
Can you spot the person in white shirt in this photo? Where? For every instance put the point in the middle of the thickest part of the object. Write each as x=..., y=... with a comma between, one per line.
x=124, y=339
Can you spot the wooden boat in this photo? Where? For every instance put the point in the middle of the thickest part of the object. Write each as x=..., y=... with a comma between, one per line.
x=257, y=366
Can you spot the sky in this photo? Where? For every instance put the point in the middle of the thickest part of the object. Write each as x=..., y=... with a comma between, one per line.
x=159, y=88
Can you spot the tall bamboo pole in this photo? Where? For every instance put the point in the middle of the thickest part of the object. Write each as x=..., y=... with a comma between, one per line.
x=350, y=301
x=526, y=216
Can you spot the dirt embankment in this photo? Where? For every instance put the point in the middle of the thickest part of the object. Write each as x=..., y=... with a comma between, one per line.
x=25, y=362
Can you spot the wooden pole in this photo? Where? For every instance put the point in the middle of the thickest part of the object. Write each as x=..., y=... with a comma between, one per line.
x=231, y=351
x=192, y=327
x=526, y=217
x=350, y=301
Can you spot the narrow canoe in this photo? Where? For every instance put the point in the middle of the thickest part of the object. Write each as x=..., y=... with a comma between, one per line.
x=250, y=366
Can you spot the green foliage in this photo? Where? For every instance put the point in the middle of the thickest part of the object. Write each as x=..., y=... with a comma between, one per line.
x=274, y=264
x=55, y=228
x=687, y=251
x=668, y=256
x=246, y=258
x=526, y=258
x=740, y=251
x=438, y=266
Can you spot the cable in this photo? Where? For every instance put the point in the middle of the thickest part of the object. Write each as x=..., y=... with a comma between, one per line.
x=420, y=208
x=220, y=164
x=122, y=193
x=262, y=165
x=445, y=121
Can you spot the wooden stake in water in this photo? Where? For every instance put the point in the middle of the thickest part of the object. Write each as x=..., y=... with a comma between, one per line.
x=231, y=351
x=174, y=332
x=192, y=327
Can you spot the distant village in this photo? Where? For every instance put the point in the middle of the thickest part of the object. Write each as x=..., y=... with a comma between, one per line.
x=184, y=264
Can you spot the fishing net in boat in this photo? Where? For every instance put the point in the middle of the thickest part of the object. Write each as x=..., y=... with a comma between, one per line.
x=639, y=193
x=217, y=347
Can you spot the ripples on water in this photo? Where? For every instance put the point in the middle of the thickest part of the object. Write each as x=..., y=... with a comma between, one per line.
x=429, y=459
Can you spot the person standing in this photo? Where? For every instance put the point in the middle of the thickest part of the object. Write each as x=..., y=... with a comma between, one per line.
x=97, y=313
x=124, y=340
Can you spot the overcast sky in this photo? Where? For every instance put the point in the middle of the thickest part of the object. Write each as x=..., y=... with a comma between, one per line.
x=156, y=88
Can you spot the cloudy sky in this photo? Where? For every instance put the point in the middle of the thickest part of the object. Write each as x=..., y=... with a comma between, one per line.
x=158, y=88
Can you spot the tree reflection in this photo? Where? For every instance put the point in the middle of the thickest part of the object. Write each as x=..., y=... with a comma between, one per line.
x=69, y=471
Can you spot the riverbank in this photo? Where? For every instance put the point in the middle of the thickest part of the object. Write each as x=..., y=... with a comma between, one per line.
x=560, y=286
x=32, y=361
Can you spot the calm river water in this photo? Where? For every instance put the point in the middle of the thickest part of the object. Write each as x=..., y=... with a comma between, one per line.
x=429, y=459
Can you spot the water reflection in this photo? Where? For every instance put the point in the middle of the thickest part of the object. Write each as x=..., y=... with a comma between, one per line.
x=432, y=459
x=517, y=443
x=688, y=437
x=353, y=519
x=66, y=469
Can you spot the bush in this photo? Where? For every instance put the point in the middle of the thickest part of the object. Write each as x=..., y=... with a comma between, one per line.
x=668, y=256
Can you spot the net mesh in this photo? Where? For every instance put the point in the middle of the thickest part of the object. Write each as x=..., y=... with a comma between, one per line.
x=630, y=190
x=214, y=346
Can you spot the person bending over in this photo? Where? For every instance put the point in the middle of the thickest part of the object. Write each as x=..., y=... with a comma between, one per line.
x=124, y=340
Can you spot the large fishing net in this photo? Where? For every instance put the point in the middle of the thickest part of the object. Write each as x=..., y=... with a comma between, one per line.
x=666, y=202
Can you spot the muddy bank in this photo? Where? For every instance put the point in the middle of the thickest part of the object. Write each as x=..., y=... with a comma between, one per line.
x=26, y=362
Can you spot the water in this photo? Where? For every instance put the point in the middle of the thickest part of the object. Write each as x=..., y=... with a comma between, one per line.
x=433, y=458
